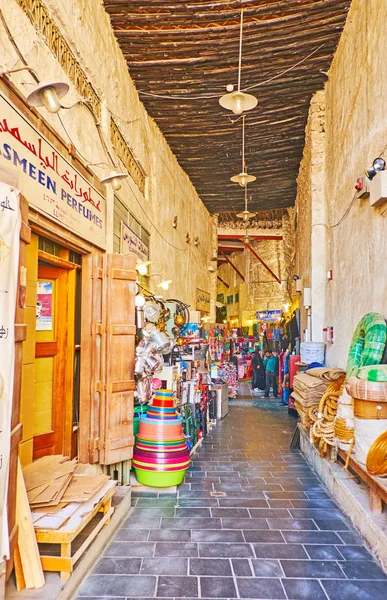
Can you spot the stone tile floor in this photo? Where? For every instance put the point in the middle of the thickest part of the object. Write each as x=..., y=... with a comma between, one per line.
x=250, y=521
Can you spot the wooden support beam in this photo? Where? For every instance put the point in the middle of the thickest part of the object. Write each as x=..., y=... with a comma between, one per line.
x=233, y=266
x=261, y=261
x=222, y=281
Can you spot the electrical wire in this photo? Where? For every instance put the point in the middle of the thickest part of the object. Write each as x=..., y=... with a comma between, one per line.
x=150, y=221
x=348, y=210
x=210, y=96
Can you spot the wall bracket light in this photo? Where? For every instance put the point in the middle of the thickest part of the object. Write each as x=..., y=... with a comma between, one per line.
x=48, y=95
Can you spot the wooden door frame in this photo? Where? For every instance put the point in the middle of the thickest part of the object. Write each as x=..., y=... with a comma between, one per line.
x=62, y=411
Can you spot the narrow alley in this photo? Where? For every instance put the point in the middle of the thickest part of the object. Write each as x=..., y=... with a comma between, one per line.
x=250, y=521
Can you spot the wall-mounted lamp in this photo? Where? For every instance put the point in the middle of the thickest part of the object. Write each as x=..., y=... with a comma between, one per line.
x=379, y=164
x=196, y=241
x=164, y=284
x=187, y=238
x=174, y=222
x=142, y=267
x=48, y=95
x=211, y=269
x=115, y=178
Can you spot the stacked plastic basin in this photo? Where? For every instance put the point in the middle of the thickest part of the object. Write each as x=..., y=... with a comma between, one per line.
x=161, y=455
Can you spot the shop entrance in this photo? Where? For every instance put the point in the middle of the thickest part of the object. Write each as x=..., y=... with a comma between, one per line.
x=56, y=356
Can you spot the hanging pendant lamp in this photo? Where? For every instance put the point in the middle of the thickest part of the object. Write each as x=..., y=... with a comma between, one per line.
x=239, y=101
x=246, y=215
x=243, y=178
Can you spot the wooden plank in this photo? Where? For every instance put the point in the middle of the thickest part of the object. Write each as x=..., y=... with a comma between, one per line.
x=19, y=575
x=78, y=521
x=29, y=553
x=377, y=488
x=83, y=487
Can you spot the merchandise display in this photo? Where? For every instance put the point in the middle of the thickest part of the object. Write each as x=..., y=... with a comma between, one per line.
x=161, y=455
x=368, y=343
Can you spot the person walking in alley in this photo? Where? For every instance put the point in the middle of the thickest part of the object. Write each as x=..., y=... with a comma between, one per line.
x=258, y=380
x=271, y=366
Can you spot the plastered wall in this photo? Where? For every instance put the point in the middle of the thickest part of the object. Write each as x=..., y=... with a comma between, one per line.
x=355, y=130
x=169, y=192
x=259, y=291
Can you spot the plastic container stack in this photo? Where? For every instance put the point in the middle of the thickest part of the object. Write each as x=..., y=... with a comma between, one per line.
x=161, y=455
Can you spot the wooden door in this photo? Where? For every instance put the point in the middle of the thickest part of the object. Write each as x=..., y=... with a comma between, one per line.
x=107, y=380
x=20, y=336
x=50, y=360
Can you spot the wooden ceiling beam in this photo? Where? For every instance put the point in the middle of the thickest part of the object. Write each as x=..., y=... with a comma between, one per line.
x=232, y=264
x=223, y=281
x=253, y=252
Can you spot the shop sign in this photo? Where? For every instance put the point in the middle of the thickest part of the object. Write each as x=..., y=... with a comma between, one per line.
x=9, y=261
x=202, y=300
x=132, y=244
x=268, y=315
x=49, y=182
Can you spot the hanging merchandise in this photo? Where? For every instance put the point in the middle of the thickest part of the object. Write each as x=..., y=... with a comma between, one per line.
x=368, y=343
x=161, y=454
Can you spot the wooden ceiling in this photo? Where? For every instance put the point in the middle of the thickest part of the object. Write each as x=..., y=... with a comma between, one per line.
x=182, y=54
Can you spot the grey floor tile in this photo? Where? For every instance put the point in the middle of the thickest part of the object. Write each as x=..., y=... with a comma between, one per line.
x=366, y=569
x=184, y=549
x=217, y=587
x=311, y=537
x=304, y=589
x=192, y=512
x=210, y=566
x=177, y=587
x=141, y=523
x=269, y=513
x=312, y=569
x=118, y=566
x=355, y=553
x=241, y=567
x=250, y=523
x=230, y=512
x=132, y=535
x=260, y=588
x=279, y=551
x=323, y=552
x=225, y=550
x=354, y=590
x=263, y=537
x=292, y=524
x=169, y=535
x=118, y=585
x=191, y=523
x=217, y=535
x=267, y=568
x=331, y=524
x=129, y=549
x=164, y=566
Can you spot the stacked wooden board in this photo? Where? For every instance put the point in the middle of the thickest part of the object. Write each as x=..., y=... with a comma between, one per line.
x=50, y=492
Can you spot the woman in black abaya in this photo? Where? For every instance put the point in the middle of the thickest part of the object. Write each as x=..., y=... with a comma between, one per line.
x=258, y=380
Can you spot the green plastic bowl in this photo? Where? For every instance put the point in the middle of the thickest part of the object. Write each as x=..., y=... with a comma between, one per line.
x=136, y=425
x=159, y=479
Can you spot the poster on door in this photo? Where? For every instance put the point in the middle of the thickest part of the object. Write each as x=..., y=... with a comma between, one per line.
x=44, y=306
x=9, y=261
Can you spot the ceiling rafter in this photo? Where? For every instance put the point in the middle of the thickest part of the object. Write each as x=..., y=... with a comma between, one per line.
x=188, y=50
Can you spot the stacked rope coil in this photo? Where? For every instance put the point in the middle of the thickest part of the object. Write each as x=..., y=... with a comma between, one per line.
x=377, y=456
x=323, y=416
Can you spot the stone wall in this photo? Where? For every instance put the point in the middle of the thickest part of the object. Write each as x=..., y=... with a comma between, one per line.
x=355, y=133
x=168, y=192
x=260, y=291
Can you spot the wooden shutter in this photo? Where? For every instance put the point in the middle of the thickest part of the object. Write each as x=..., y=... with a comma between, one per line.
x=20, y=336
x=117, y=414
x=107, y=358
x=92, y=357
